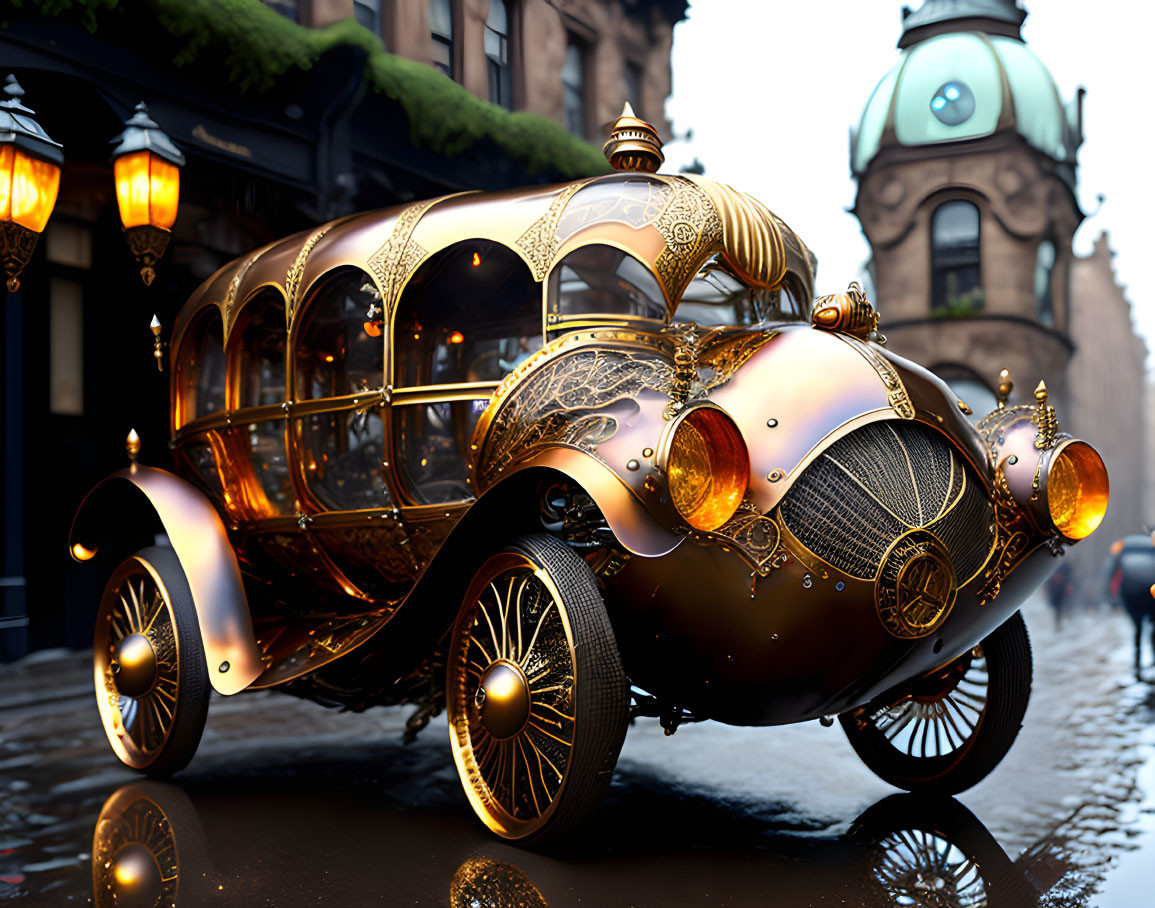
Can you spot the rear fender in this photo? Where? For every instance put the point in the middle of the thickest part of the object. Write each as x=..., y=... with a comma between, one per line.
x=199, y=539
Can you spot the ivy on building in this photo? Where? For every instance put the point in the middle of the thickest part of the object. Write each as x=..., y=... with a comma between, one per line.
x=255, y=46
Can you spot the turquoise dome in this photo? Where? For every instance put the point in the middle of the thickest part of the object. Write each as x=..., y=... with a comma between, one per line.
x=965, y=85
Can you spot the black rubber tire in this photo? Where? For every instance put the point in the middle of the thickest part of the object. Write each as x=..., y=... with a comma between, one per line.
x=602, y=689
x=1008, y=653
x=193, y=690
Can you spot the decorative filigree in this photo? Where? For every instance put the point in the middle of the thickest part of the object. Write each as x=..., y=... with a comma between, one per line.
x=685, y=386
x=916, y=586
x=691, y=226
x=724, y=352
x=754, y=535
x=539, y=242
x=1045, y=419
x=399, y=255
x=895, y=390
x=295, y=272
x=636, y=202
x=575, y=399
x=17, y=243
x=1011, y=542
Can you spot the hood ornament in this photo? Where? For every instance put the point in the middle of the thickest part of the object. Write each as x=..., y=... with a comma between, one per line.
x=633, y=145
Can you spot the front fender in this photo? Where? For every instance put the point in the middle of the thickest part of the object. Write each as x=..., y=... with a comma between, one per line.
x=199, y=539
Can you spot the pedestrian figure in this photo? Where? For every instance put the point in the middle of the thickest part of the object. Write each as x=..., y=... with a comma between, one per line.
x=1132, y=575
x=1058, y=590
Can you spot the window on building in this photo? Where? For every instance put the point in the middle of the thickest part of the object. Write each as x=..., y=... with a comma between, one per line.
x=441, y=34
x=497, y=54
x=573, y=86
x=287, y=8
x=956, y=275
x=66, y=347
x=368, y=14
x=632, y=80
x=1044, y=283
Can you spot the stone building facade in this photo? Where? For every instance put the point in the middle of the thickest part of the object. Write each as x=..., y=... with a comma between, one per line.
x=965, y=158
x=574, y=61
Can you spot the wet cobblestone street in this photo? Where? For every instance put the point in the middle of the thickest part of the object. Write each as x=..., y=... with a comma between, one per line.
x=287, y=803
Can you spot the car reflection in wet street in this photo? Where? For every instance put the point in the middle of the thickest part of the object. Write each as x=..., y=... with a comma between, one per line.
x=289, y=804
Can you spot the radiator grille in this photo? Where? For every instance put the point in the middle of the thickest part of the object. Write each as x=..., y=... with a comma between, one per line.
x=880, y=481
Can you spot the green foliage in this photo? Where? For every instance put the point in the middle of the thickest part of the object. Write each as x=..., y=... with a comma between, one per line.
x=254, y=46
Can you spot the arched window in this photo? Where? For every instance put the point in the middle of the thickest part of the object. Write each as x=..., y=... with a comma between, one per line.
x=956, y=274
x=1044, y=283
x=573, y=78
x=441, y=34
x=604, y=280
x=200, y=368
x=467, y=318
x=338, y=351
x=497, y=54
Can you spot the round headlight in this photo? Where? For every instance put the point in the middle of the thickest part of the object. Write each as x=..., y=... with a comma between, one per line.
x=707, y=467
x=1077, y=490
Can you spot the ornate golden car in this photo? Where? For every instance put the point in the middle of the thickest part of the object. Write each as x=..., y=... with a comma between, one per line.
x=560, y=456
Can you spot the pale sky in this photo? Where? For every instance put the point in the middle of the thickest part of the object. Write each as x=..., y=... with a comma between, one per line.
x=770, y=90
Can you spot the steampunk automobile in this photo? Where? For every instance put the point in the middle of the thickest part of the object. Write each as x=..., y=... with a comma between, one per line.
x=557, y=457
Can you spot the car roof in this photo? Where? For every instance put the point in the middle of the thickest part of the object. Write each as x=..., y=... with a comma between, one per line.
x=672, y=223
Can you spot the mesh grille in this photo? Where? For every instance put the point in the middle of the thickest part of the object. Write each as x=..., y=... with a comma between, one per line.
x=880, y=481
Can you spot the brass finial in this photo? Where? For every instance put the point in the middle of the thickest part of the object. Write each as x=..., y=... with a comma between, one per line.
x=849, y=312
x=157, y=343
x=1004, y=389
x=633, y=144
x=1045, y=419
x=132, y=445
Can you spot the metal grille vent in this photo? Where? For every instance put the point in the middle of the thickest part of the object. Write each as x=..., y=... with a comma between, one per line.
x=880, y=481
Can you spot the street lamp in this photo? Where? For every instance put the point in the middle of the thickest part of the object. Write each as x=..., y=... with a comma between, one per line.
x=29, y=180
x=146, y=165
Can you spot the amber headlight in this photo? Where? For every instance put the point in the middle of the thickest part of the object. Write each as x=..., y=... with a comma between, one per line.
x=1077, y=490
x=707, y=466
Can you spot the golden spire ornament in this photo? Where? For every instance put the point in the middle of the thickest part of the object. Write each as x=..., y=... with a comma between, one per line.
x=157, y=343
x=132, y=445
x=1004, y=389
x=633, y=145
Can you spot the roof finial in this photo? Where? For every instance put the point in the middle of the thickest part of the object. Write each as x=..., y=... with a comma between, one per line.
x=633, y=144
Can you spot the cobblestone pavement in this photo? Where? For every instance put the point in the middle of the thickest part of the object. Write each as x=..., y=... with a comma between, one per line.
x=287, y=803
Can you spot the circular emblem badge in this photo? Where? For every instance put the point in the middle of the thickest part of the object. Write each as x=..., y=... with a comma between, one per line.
x=916, y=586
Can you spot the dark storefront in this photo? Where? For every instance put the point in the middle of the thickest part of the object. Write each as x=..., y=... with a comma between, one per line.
x=271, y=148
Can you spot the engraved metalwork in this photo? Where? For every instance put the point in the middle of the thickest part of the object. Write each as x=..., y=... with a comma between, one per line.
x=398, y=255
x=1045, y=419
x=754, y=535
x=539, y=242
x=916, y=586
x=17, y=243
x=296, y=271
x=691, y=227
x=895, y=390
x=574, y=399
x=849, y=312
x=147, y=244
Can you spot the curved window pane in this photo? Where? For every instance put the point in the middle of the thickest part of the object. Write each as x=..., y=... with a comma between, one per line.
x=266, y=444
x=603, y=280
x=338, y=349
x=1044, y=291
x=471, y=313
x=260, y=355
x=956, y=275
x=716, y=297
x=343, y=455
x=201, y=368
x=433, y=444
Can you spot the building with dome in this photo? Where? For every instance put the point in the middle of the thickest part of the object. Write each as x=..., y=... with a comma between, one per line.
x=965, y=160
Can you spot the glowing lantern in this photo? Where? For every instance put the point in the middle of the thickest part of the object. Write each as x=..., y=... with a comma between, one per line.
x=146, y=165
x=29, y=180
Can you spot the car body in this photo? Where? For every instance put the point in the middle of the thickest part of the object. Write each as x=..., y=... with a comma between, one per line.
x=779, y=518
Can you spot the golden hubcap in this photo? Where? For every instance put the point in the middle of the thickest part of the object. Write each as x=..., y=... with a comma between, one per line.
x=511, y=695
x=135, y=876
x=135, y=661
x=134, y=853
x=134, y=665
x=502, y=700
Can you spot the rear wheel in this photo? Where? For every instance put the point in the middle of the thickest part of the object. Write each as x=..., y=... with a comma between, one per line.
x=152, y=684
x=950, y=728
x=538, y=702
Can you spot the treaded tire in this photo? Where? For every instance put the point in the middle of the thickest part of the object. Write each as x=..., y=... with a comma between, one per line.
x=597, y=695
x=1007, y=650
x=187, y=697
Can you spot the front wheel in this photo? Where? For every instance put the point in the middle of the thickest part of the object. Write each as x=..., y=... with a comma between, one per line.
x=537, y=698
x=950, y=728
x=152, y=684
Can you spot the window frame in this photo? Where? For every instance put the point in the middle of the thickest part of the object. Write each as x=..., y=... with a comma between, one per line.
x=951, y=258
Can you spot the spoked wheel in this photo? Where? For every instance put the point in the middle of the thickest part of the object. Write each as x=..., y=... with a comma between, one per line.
x=953, y=726
x=538, y=702
x=149, y=666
